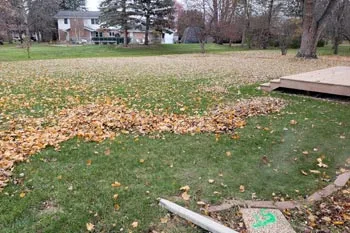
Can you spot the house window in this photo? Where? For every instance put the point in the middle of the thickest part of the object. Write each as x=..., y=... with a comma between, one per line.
x=94, y=21
x=98, y=34
x=65, y=21
x=111, y=33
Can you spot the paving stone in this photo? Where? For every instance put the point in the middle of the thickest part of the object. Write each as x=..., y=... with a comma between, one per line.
x=314, y=197
x=342, y=179
x=286, y=205
x=260, y=204
x=265, y=221
x=328, y=190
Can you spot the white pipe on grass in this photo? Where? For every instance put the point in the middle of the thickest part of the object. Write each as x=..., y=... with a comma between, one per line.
x=200, y=220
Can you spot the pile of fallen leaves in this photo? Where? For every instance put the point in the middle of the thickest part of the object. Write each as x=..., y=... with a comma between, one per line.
x=331, y=214
x=97, y=122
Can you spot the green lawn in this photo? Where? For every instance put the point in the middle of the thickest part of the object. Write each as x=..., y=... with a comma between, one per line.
x=68, y=188
x=44, y=51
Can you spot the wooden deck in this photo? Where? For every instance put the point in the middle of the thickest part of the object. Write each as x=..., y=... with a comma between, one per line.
x=335, y=81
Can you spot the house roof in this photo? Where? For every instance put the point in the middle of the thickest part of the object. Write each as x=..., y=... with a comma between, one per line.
x=77, y=14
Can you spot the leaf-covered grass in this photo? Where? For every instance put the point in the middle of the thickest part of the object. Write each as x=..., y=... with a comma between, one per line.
x=45, y=51
x=63, y=192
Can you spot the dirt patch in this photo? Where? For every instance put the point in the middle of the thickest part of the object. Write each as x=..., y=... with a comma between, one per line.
x=49, y=208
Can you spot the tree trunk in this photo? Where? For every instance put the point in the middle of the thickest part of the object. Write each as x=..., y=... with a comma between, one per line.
x=215, y=20
x=202, y=44
x=125, y=37
x=246, y=23
x=147, y=29
x=313, y=28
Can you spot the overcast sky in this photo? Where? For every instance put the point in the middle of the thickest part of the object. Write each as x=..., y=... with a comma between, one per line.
x=93, y=4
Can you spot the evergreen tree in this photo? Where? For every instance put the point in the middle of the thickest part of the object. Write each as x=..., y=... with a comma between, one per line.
x=73, y=5
x=156, y=14
x=120, y=13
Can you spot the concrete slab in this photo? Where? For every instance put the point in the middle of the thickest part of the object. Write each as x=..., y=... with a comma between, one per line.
x=265, y=221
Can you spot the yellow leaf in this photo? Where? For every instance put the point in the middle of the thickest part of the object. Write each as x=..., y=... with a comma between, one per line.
x=115, y=196
x=59, y=177
x=116, y=207
x=201, y=203
x=21, y=195
x=116, y=184
x=142, y=160
x=90, y=226
x=164, y=220
x=134, y=224
x=185, y=188
x=211, y=181
x=303, y=172
x=315, y=171
x=228, y=153
x=338, y=222
x=242, y=188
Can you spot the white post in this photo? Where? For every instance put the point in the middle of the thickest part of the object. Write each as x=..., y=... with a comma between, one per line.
x=200, y=220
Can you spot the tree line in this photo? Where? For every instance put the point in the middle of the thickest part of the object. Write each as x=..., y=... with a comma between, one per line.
x=263, y=23
x=253, y=23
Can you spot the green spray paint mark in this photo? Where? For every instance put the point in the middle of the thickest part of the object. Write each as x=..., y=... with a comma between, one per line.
x=264, y=218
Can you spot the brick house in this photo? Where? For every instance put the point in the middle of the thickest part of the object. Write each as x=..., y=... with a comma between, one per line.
x=84, y=26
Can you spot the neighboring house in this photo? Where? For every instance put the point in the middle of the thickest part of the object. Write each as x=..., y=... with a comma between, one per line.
x=84, y=26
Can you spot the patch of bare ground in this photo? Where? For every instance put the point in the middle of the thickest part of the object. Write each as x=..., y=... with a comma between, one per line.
x=49, y=207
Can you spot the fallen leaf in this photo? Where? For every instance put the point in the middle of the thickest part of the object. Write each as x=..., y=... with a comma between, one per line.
x=241, y=188
x=326, y=219
x=90, y=226
x=338, y=223
x=320, y=163
x=315, y=171
x=201, y=203
x=164, y=220
x=185, y=188
x=142, y=161
x=211, y=181
x=228, y=153
x=185, y=196
x=134, y=224
x=115, y=196
x=116, y=184
x=305, y=152
x=293, y=122
x=116, y=207
x=88, y=162
x=303, y=172
x=21, y=195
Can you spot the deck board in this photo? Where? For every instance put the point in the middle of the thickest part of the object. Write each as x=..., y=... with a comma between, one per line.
x=335, y=80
